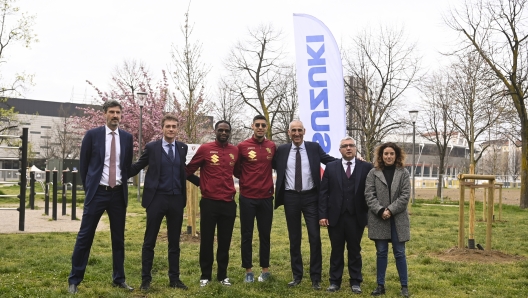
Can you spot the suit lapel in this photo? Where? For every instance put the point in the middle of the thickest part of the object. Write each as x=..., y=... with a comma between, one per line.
x=357, y=173
x=102, y=149
x=380, y=176
x=122, y=143
x=285, y=156
x=395, y=181
x=339, y=174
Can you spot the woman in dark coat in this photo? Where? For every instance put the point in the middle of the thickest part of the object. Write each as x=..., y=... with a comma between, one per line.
x=387, y=194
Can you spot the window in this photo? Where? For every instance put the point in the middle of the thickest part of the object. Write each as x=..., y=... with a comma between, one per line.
x=44, y=126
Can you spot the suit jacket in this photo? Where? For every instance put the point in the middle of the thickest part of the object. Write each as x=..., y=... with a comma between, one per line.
x=92, y=160
x=316, y=156
x=378, y=197
x=151, y=156
x=331, y=193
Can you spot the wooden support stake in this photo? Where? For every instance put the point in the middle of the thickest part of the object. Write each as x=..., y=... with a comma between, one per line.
x=461, y=214
x=491, y=191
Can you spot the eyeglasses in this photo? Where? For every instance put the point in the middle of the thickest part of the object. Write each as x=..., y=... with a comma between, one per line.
x=348, y=145
x=221, y=130
x=263, y=125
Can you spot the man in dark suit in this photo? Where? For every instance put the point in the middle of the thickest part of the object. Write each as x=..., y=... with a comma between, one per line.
x=106, y=155
x=298, y=168
x=343, y=209
x=164, y=195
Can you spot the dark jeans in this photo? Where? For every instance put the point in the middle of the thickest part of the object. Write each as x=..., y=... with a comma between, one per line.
x=171, y=207
x=346, y=230
x=398, y=248
x=114, y=204
x=262, y=210
x=215, y=214
x=295, y=206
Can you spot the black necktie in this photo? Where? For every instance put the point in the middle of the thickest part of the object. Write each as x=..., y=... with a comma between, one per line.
x=171, y=153
x=298, y=173
x=348, y=171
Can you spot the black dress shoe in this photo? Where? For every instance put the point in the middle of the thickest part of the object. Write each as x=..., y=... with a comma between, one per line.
x=316, y=285
x=72, y=289
x=333, y=288
x=178, y=285
x=380, y=290
x=405, y=292
x=294, y=283
x=145, y=285
x=123, y=285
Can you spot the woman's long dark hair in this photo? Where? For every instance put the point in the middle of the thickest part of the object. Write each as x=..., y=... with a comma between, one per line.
x=378, y=160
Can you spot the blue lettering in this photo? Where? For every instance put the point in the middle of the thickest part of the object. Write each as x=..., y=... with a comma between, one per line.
x=319, y=114
x=318, y=67
x=325, y=142
x=316, y=56
x=315, y=38
x=312, y=72
x=315, y=101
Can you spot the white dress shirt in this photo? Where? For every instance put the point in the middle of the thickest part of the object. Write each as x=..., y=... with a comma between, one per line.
x=106, y=168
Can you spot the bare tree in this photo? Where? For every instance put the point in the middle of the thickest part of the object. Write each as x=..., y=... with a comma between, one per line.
x=497, y=30
x=288, y=105
x=256, y=67
x=15, y=27
x=436, y=126
x=230, y=107
x=477, y=101
x=66, y=140
x=130, y=75
x=381, y=67
x=189, y=74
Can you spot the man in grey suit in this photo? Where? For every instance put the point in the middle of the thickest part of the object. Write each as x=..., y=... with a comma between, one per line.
x=342, y=208
x=298, y=166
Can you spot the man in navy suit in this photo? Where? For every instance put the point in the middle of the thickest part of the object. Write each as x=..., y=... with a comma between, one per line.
x=106, y=155
x=164, y=195
x=298, y=168
x=343, y=209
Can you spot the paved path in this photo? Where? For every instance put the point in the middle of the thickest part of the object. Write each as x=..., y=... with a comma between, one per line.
x=37, y=222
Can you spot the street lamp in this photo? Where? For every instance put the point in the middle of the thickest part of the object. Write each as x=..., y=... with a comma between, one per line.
x=141, y=101
x=413, y=114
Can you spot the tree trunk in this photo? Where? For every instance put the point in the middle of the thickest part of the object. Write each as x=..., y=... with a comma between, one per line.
x=524, y=165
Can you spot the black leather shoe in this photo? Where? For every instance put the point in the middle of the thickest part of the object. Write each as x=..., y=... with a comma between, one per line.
x=294, y=283
x=316, y=285
x=145, y=286
x=405, y=292
x=380, y=290
x=333, y=288
x=178, y=285
x=72, y=289
x=356, y=289
x=123, y=285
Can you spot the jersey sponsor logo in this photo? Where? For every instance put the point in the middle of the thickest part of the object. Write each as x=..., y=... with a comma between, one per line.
x=252, y=155
x=215, y=159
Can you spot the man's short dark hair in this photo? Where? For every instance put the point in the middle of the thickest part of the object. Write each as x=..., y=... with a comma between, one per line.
x=222, y=121
x=110, y=104
x=170, y=117
x=259, y=117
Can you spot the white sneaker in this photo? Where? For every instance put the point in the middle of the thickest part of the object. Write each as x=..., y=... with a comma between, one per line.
x=203, y=282
x=226, y=282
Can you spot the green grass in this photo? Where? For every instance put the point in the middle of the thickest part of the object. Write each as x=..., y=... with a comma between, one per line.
x=37, y=265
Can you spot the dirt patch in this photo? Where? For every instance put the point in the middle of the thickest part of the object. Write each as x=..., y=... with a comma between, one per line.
x=184, y=237
x=477, y=256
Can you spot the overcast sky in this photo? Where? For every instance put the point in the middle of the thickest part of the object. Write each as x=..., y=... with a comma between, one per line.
x=85, y=40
